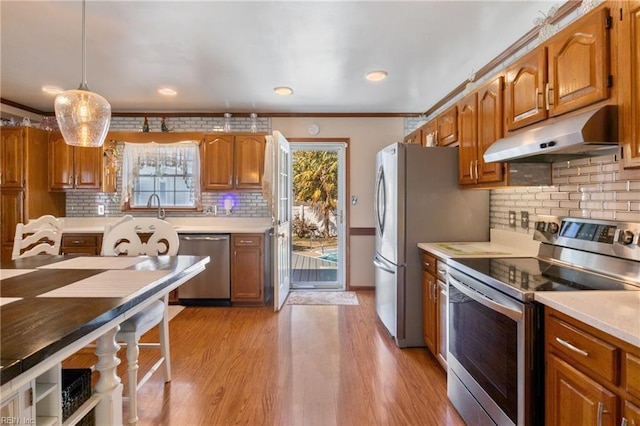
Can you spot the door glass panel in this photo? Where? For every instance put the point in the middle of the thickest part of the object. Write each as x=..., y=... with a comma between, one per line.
x=318, y=216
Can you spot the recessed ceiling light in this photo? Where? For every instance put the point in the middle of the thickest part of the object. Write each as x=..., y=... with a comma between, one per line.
x=167, y=91
x=283, y=90
x=52, y=90
x=376, y=75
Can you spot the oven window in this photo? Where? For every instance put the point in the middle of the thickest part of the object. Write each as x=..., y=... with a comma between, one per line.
x=485, y=343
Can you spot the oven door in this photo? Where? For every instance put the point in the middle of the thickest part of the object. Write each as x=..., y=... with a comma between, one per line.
x=489, y=356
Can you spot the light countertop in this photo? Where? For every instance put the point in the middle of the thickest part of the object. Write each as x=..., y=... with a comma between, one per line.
x=503, y=244
x=184, y=225
x=614, y=312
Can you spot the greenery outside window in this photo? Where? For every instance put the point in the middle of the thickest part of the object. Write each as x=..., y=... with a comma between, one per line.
x=170, y=170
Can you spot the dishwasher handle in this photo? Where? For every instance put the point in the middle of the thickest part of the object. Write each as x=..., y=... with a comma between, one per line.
x=202, y=238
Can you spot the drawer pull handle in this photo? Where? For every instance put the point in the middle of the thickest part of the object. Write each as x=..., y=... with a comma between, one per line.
x=246, y=241
x=77, y=242
x=571, y=347
x=427, y=264
x=623, y=422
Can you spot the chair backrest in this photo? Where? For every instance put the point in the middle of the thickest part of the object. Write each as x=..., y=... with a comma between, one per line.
x=123, y=237
x=38, y=236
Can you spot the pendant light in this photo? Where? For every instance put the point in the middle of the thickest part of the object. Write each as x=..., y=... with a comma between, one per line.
x=83, y=116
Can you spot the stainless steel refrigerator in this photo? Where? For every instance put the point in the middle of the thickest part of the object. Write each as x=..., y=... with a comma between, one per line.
x=417, y=199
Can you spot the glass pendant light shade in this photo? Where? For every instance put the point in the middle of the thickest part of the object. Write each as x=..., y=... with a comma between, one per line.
x=83, y=117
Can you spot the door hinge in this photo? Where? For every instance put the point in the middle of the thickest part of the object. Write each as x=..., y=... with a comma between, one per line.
x=610, y=80
x=30, y=397
x=608, y=22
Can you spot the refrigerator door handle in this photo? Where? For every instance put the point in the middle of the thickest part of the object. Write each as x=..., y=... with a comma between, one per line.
x=379, y=263
x=380, y=201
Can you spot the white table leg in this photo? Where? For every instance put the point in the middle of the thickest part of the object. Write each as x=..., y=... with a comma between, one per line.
x=109, y=386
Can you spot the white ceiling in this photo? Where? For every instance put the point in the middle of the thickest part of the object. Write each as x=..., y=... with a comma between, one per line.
x=229, y=55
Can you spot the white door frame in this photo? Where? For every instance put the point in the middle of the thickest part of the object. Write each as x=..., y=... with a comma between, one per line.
x=342, y=213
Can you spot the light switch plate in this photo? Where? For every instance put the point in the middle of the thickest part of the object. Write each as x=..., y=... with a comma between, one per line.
x=512, y=218
x=524, y=220
x=100, y=210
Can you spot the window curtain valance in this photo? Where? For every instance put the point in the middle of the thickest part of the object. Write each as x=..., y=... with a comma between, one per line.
x=179, y=157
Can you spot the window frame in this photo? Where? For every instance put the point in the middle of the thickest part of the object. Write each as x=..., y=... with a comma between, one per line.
x=125, y=202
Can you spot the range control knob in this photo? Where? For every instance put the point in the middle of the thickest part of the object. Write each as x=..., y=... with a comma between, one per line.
x=626, y=237
x=553, y=228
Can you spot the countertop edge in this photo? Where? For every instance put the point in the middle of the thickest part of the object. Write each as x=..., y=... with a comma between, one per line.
x=603, y=320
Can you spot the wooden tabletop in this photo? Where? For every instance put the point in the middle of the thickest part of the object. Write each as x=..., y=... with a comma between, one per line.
x=49, y=302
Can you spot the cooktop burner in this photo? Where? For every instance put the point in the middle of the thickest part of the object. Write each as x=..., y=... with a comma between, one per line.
x=533, y=274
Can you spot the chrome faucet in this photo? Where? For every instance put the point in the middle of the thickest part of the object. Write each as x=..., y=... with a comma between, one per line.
x=161, y=213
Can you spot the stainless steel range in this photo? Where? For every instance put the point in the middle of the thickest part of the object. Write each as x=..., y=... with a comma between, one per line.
x=495, y=351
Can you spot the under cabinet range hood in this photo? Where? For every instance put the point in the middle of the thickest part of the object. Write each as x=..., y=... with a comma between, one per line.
x=588, y=134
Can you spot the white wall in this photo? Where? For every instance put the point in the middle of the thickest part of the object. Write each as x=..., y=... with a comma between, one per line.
x=367, y=136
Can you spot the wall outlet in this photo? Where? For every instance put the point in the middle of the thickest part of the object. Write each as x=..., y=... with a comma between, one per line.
x=100, y=210
x=512, y=218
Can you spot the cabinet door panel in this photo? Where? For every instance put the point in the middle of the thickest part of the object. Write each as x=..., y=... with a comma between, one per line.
x=490, y=128
x=631, y=412
x=217, y=162
x=629, y=91
x=579, y=65
x=428, y=136
x=448, y=127
x=12, y=207
x=573, y=398
x=12, y=158
x=467, y=139
x=246, y=274
x=525, y=90
x=429, y=312
x=249, y=161
x=60, y=163
x=88, y=168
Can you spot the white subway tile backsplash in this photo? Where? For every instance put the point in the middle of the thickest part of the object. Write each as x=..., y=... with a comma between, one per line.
x=585, y=188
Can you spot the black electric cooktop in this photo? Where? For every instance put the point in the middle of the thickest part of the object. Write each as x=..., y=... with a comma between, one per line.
x=529, y=274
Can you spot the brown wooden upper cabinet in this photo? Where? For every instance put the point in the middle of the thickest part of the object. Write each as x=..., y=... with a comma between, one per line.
x=447, y=130
x=249, y=161
x=414, y=137
x=570, y=71
x=24, y=192
x=73, y=167
x=12, y=173
x=629, y=90
x=232, y=161
x=428, y=137
x=479, y=126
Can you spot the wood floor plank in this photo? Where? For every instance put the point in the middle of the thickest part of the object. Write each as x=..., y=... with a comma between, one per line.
x=307, y=365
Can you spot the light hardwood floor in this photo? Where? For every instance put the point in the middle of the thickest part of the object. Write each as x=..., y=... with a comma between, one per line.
x=307, y=365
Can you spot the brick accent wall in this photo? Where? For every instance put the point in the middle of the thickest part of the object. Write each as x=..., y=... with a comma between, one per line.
x=247, y=204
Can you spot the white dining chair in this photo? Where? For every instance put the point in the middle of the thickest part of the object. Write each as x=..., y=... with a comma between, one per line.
x=38, y=236
x=123, y=238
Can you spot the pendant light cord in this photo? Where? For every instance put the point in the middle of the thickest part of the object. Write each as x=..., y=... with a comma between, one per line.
x=84, y=85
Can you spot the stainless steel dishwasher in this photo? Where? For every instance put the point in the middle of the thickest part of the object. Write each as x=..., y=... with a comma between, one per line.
x=212, y=287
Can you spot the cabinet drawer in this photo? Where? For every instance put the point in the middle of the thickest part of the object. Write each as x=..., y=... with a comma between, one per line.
x=585, y=349
x=632, y=369
x=247, y=240
x=79, y=240
x=429, y=263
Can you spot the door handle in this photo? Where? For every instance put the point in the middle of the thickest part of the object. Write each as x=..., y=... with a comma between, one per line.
x=379, y=264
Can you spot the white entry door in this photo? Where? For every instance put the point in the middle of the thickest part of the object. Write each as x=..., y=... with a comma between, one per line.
x=282, y=219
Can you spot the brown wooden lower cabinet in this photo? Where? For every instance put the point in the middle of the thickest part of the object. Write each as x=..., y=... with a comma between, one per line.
x=250, y=269
x=591, y=377
x=434, y=299
x=87, y=244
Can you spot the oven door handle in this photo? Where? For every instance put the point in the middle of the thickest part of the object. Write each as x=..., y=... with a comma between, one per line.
x=484, y=300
